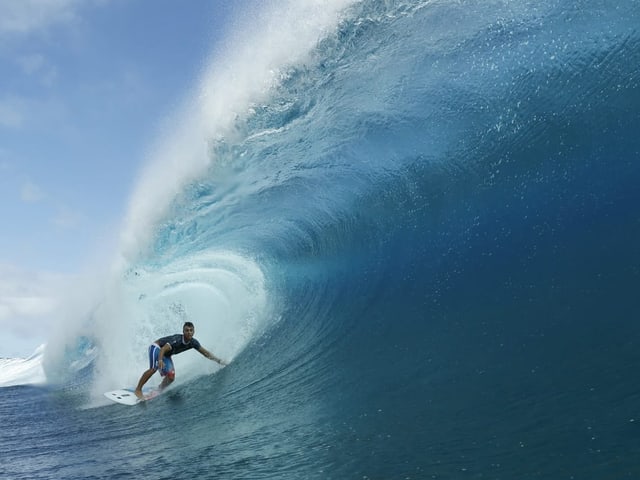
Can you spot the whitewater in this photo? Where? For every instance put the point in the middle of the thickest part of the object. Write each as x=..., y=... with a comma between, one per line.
x=412, y=229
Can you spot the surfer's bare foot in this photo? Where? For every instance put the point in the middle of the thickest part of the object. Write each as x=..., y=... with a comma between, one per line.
x=139, y=394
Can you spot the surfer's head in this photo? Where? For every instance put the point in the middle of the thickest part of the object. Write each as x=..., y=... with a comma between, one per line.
x=187, y=331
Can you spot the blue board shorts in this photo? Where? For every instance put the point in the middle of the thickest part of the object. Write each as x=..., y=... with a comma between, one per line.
x=154, y=351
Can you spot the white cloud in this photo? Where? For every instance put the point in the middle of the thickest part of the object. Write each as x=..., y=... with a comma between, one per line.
x=26, y=16
x=27, y=301
x=25, y=306
x=31, y=193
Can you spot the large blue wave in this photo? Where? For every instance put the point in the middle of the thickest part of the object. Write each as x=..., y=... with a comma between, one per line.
x=420, y=247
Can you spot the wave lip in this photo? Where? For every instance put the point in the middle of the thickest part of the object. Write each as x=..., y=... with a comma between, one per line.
x=23, y=371
x=241, y=75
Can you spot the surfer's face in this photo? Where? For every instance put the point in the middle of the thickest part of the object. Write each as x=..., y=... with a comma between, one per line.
x=187, y=333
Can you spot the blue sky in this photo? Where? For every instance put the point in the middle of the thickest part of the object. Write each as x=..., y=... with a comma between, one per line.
x=84, y=87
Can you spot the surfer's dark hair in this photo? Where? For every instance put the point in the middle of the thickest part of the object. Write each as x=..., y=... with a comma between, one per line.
x=188, y=324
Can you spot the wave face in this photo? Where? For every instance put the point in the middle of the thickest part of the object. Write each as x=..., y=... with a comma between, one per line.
x=419, y=245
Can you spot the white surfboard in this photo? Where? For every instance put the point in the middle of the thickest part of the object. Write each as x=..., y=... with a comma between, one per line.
x=127, y=397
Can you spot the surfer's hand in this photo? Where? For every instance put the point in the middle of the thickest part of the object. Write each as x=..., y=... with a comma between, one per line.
x=160, y=364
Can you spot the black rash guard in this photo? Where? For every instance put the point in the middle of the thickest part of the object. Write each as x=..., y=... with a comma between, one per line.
x=177, y=344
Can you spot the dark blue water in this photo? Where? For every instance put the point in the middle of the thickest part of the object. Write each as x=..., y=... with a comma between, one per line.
x=434, y=229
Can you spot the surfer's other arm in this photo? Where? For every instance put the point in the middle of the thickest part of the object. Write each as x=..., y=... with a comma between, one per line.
x=163, y=351
x=211, y=356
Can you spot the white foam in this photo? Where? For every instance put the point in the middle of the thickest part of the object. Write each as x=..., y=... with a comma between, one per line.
x=22, y=371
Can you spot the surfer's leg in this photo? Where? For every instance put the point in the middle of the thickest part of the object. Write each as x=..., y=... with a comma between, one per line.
x=153, y=361
x=166, y=381
x=144, y=379
x=168, y=373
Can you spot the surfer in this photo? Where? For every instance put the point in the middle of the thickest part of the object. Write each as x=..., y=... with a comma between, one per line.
x=160, y=353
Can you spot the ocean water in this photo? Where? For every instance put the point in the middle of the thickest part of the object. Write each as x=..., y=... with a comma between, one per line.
x=414, y=230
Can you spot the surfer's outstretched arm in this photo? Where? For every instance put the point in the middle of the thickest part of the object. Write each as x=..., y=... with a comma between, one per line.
x=211, y=356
